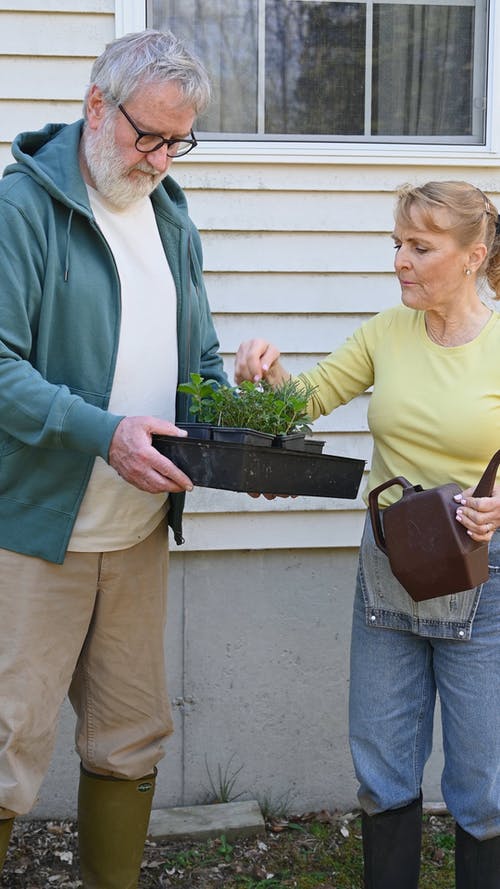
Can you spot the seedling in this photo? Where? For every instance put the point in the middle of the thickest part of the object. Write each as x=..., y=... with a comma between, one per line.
x=257, y=406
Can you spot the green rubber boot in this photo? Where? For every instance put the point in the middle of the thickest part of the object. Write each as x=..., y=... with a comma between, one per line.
x=5, y=832
x=113, y=818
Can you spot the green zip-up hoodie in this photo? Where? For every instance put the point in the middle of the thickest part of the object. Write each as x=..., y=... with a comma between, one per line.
x=59, y=330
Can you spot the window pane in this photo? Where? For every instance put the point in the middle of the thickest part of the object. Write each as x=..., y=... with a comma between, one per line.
x=315, y=64
x=422, y=70
x=224, y=36
x=364, y=70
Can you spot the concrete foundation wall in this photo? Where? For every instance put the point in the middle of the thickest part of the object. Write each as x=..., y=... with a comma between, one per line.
x=258, y=649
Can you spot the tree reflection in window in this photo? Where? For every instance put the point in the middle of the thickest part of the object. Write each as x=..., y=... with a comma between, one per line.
x=328, y=70
x=315, y=67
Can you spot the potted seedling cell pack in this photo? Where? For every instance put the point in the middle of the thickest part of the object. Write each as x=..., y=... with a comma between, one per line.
x=254, y=438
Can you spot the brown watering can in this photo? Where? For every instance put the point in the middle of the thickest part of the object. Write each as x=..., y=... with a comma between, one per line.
x=430, y=553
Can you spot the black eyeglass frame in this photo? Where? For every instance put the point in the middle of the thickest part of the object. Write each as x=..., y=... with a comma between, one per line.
x=161, y=141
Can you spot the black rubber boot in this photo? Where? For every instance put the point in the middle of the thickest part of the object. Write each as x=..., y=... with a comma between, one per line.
x=5, y=832
x=477, y=862
x=391, y=847
x=113, y=819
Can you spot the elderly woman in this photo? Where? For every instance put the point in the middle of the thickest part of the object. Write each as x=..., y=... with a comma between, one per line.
x=434, y=364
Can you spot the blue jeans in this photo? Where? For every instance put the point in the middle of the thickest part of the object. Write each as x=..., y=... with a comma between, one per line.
x=394, y=678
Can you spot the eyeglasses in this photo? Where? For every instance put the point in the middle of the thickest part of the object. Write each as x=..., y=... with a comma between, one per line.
x=147, y=142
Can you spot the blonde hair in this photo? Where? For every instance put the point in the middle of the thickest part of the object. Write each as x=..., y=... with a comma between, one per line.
x=473, y=219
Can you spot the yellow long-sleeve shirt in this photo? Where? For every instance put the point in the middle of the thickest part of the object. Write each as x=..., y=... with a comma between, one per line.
x=435, y=411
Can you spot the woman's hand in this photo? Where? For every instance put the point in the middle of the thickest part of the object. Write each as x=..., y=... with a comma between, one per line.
x=256, y=360
x=479, y=515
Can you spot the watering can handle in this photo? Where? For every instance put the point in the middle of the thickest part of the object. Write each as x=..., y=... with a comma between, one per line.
x=374, y=509
x=484, y=488
x=486, y=482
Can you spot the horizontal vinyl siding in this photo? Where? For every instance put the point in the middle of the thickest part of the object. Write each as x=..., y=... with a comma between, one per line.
x=299, y=254
x=80, y=7
x=298, y=267
x=46, y=51
x=301, y=268
x=19, y=115
x=308, y=292
x=316, y=212
x=297, y=250
x=270, y=267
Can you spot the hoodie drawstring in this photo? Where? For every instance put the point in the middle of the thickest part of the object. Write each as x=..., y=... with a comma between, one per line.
x=68, y=238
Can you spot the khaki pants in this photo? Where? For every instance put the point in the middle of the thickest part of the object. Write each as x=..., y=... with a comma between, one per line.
x=92, y=627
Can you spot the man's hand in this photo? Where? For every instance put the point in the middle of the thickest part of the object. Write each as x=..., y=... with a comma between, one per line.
x=139, y=463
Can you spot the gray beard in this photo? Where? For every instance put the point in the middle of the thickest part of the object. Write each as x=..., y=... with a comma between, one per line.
x=110, y=174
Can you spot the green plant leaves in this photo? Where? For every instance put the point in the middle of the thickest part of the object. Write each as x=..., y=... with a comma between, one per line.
x=251, y=405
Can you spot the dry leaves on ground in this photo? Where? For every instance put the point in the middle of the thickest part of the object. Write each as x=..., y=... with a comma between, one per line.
x=318, y=850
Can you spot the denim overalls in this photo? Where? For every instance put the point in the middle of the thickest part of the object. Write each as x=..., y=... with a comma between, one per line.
x=402, y=652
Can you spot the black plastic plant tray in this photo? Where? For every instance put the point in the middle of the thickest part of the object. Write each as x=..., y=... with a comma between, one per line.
x=242, y=436
x=258, y=470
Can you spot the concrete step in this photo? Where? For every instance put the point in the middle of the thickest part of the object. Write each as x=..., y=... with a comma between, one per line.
x=203, y=822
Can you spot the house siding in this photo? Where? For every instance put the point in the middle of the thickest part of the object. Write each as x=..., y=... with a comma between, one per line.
x=46, y=50
x=297, y=249
x=299, y=254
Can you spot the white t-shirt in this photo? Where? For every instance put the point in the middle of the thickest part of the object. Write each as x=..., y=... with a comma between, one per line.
x=114, y=514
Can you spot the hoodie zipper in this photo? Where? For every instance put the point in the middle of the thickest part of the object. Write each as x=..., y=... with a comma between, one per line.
x=186, y=361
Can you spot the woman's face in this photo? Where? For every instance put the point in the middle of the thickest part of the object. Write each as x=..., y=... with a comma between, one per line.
x=430, y=265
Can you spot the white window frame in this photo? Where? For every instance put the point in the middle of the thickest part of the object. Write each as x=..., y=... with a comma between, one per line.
x=130, y=15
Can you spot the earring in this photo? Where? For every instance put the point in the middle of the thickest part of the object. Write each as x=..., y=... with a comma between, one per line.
x=468, y=272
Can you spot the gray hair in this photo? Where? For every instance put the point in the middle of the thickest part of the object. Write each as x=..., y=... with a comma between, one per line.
x=148, y=57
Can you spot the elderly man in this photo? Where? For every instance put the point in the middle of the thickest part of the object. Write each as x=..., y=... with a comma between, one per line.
x=102, y=312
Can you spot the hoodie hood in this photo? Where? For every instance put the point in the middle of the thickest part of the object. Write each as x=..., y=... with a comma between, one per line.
x=50, y=157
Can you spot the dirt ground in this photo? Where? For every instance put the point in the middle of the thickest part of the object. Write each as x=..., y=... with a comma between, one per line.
x=314, y=851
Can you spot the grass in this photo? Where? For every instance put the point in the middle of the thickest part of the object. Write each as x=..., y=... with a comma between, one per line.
x=303, y=854
x=222, y=786
x=316, y=851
